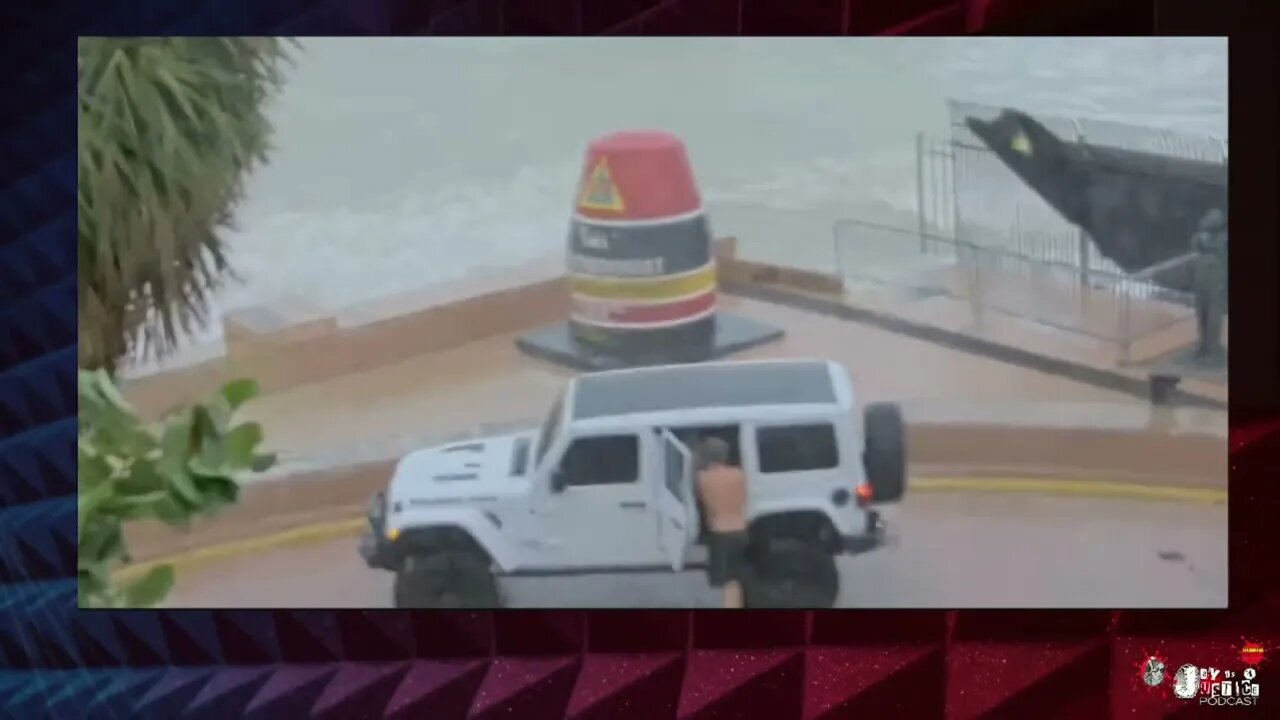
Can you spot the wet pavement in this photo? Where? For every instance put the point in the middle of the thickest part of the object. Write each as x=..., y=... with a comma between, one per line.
x=953, y=551
x=491, y=381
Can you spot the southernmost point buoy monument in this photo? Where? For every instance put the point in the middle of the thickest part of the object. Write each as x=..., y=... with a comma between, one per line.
x=642, y=273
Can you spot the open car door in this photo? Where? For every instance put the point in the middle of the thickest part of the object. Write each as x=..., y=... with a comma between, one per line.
x=677, y=511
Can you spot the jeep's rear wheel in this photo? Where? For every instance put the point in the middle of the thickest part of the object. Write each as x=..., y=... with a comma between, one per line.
x=446, y=579
x=792, y=574
x=885, y=453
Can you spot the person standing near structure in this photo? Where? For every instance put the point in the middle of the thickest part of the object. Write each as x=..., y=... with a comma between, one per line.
x=1209, y=243
x=722, y=487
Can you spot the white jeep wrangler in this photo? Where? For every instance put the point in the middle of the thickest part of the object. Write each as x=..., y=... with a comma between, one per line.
x=607, y=484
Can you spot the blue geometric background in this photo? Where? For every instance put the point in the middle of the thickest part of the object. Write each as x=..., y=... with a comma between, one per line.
x=62, y=663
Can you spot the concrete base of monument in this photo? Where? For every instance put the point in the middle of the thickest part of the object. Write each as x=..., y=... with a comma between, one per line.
x=732, y=334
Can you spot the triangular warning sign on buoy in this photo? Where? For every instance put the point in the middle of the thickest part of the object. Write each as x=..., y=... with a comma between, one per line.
x=599, y=192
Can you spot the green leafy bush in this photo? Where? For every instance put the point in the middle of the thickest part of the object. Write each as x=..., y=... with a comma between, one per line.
x=187, y=465
x=169, y=128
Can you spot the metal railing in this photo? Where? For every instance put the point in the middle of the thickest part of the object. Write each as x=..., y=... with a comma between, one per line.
x=980, y=234
x=1114, y=308
x=968, y=193
x=965, y=193
x=1104, y=133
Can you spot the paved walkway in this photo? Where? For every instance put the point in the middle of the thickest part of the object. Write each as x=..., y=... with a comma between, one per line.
x=954, y=551
x=490, y=381
x=1046, y=312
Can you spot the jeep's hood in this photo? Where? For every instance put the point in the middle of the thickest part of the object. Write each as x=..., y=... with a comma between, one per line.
x=473, y=468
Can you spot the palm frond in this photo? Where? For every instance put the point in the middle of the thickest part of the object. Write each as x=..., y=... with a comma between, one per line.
x=169, y=129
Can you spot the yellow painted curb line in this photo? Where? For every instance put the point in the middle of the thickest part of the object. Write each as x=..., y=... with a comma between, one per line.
x=1083, y=488
x=1046, y=486
x=305, y=535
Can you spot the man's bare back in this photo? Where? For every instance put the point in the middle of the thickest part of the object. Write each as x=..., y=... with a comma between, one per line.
x=723, y=489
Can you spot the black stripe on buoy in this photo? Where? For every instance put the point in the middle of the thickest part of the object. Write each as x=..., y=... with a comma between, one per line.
x=641, y=250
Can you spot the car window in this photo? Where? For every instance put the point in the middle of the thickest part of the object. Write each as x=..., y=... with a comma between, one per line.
x=797, y=448
x=674, y=470
x=602, y=460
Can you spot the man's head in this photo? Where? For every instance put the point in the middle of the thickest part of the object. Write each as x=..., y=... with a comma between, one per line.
x=714, y=451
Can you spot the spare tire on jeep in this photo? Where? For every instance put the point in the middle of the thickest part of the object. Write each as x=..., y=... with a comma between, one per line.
x=885, y=452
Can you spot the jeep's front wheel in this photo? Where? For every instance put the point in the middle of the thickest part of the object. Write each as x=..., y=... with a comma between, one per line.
x=792, y=574
x=446, y=579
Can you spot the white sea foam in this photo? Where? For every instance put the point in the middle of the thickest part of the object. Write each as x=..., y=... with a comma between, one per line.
x=402, y=163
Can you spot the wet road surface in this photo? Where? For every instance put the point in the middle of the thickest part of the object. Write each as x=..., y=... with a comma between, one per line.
x=953, y=551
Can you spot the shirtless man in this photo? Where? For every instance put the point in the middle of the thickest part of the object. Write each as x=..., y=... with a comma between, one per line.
x=723, y=491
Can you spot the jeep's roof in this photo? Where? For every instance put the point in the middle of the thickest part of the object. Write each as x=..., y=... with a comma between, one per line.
x=706, y=385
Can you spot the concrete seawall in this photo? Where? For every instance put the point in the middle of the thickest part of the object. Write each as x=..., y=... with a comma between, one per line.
x=291, y=343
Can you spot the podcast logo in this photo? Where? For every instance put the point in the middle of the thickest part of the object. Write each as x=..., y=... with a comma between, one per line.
x=1205, y=684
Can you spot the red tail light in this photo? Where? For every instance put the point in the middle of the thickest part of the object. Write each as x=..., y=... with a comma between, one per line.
x=865, y=494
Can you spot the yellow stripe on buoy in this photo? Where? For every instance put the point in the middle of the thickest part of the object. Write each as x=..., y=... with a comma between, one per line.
x=671, y=287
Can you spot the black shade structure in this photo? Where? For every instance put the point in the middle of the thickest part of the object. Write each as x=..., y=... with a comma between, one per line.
x=1140, y=208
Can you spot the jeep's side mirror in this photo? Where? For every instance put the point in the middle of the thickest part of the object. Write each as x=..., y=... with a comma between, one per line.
x=559, y=481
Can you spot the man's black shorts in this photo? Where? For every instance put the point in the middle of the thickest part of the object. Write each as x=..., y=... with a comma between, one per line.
x=727, y=557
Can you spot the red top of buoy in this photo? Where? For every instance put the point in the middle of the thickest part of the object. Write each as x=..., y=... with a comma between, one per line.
x=637, y=175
